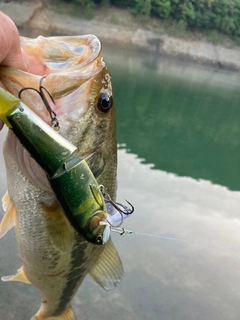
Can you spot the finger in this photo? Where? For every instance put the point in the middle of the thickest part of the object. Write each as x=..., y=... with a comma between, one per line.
x=11, y=53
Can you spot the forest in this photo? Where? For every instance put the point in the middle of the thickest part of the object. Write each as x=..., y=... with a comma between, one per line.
x=220, y=15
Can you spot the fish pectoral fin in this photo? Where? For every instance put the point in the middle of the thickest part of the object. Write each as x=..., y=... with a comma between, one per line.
x=9, y=218
x=66, y=315
x=19, y=276
x=6, y=200
x=59, y=229
x=108, y=270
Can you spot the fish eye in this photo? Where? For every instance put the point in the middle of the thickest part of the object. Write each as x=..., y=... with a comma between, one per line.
x=99, y=239
x=105, y=103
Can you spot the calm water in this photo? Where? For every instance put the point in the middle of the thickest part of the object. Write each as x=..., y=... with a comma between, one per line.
x=179, y=164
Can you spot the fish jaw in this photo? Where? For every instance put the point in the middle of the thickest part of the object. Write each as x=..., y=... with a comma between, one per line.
x=68, y=62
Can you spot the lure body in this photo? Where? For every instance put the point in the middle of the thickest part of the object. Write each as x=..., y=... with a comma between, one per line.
x=69, y=175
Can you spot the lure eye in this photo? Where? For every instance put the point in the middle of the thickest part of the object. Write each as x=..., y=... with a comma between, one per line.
x=105, y=103
x=99, y=239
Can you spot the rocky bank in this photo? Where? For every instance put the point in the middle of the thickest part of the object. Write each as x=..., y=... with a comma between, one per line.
x=37, y=18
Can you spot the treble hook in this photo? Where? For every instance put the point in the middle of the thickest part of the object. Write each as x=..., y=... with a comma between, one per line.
x=53, y=116
x=126, y=210
x=116, y=205
x=107, y=198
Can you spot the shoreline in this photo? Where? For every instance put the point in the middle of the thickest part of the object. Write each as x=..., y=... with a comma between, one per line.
x=36, y=18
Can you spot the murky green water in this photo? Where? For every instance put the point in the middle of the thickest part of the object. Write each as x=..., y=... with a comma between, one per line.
x=187, y=125
x=178, y=134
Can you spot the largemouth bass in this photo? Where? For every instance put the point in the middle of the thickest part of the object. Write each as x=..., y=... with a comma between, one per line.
x=55, y=258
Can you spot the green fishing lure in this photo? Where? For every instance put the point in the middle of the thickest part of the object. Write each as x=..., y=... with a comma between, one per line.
x=70, y=177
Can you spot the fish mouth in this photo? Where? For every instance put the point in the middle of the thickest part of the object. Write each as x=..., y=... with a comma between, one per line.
x=69, y=65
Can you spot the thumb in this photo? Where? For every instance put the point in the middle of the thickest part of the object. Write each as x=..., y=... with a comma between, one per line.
x=11, y=53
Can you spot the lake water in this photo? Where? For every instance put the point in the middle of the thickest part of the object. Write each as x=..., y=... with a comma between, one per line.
x=178, y=129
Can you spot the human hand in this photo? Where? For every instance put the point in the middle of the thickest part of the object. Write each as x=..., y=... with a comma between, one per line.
x=11, y=53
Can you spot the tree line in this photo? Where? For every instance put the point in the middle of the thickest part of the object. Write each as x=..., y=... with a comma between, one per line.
x=221, y=15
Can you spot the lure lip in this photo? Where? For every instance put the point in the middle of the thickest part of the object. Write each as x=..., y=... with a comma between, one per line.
x=106, y=234
x=104, y=223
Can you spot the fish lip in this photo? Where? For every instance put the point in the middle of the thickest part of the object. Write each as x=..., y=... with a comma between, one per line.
x=77, y=60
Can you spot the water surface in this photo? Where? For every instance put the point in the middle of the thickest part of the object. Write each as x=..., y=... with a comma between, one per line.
x=178, y=134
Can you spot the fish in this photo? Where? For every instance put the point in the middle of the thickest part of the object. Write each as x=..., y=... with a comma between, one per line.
x=55, y=257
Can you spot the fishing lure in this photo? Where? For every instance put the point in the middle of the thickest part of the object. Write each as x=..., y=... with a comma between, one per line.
x=69, y=175
x=116, y=211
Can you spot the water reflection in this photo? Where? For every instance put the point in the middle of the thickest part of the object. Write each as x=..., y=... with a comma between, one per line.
x=163, y=279
x=184, y=119
x=181, y=280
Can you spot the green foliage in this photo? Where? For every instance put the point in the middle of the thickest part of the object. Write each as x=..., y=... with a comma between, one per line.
x=142, y=8
x=79, y=8
x=161, y=8
x=104, y=3
x=178, y=29
x=220, y=15
x=123, y=3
